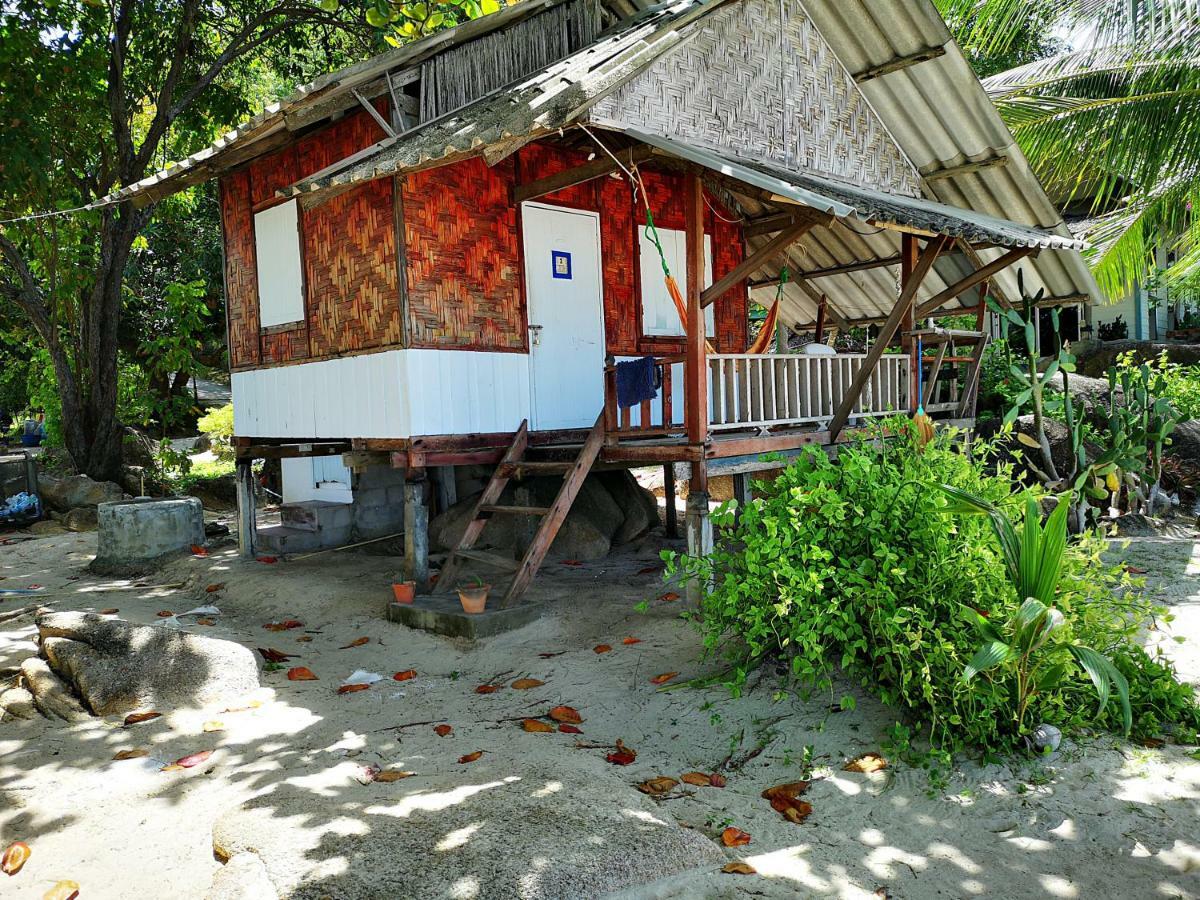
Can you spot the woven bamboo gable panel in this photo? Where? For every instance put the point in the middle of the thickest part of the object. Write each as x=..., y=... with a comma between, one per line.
x=241, y=273
x=722, y=90
x=463, y=258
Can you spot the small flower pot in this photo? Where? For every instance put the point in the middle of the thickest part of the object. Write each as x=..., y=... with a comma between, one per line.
x=473, y=599
x=404, y=591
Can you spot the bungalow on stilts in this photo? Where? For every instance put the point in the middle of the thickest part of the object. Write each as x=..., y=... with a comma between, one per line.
x=442, y=257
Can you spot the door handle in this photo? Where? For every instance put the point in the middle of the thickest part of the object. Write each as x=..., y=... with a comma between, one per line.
x=536, y=334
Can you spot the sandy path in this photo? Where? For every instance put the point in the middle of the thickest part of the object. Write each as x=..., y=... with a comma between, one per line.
x=1102, y=820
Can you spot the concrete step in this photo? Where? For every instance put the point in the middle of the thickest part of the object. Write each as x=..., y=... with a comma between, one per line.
x=316, y=515
x=279, y=540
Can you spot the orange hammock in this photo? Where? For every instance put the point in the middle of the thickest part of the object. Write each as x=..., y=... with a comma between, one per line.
x=758, y=345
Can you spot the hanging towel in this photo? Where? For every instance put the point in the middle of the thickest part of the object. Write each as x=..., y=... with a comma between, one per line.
x=637, y=380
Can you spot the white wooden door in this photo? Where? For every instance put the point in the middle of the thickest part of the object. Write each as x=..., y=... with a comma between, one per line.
x=566, y=317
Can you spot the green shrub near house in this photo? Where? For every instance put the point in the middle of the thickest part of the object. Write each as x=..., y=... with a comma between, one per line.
x=853, y=566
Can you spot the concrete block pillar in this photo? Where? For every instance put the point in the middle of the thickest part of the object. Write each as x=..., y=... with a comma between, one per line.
x=416, y=534
x=699, y=539
x=247, y=514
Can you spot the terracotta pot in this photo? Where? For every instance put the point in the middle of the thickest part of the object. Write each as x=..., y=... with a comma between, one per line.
x=404, y=591
x=473, y=599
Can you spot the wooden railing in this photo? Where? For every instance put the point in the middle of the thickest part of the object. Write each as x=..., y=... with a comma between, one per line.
x=651, y=418
x=769, y=390
x=761, y=391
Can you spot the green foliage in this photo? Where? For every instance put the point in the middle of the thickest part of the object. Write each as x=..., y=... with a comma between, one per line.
x=199, y=472
x=1140, y=423
x=852, y=565
x=218, y=425
x=402, y=21
x=1179, y=385
x=1031, y=655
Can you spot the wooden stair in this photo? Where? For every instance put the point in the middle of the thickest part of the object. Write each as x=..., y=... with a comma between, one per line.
x=514, y=465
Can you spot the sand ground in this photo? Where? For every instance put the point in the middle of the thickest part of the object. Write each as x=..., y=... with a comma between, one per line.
x=1102, y=819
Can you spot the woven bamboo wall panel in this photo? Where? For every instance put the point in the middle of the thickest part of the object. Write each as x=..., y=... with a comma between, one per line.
x=270, y=173
x=722, y=90
x=285, y=346
x=618, y=252
x=463, y=258
x=241, y=273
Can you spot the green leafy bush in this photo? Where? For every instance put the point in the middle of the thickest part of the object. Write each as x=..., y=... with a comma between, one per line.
x=218, y=425
x=852, y=565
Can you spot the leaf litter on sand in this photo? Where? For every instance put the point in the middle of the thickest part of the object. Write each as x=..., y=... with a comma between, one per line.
x=471, y=757
x=524, y=684
x=739, y=868
x=442, y=730
x=14, y=857
x=301, y=673
x=622, y=756
x=734, y=837
x=138, y=717
x=537, y=726
x=663, y=678
x=656, y=787
x=566, y=714
x=785, y=800
x=866, y=763
x=357, y=642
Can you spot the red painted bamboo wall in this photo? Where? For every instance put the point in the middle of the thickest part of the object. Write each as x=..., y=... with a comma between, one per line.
x=348, y=249
x=462, y=257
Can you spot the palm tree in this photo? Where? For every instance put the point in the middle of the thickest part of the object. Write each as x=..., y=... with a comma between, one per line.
x=1110, y=122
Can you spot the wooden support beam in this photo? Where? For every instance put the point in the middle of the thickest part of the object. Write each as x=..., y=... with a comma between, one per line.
x=966, y=168
x=755, y=260
x=416, y=533
x=819, y=330
x=379, y=119
x=924, y=264
x=768, y=224
x=247, y=516
x=833, y=270
x=830, y=309
x=597, y=168
x=895, y=64
x=672, y=514
x=695, y=363
x=977, y=277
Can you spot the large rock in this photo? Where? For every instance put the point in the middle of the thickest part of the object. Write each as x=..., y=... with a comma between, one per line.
x=506, y=829
x=50, y=693
x=638, y=505
x=82, y=518
x=65, y=494
x=117, y=666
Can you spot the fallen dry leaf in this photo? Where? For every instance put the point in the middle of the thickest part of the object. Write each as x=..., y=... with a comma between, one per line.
x=406, y=675
x=197, y=550
x=213, y=588
x=301, y=673
x=569, y=729
x=206, y=621
x=214, y=725
x=357, y=642
x=656, y=786
x=111, y=611
x=471, y=757
x=716, y=779
x=567, y=714
x=188, y=762
x=253, y=704
x=442, y=730
x=699, y=779
x=63, y=890
x=668, y=597
x=734, y=837
x=524, y=684
x=601, y=648
x=270, y=654
x=622, y=756
x=389, y=775
x=130, y=754
x=487, y=689
x=739, y=868
x=663, y=678
x=164, y=613
x=352, y=688
x=648, y=570
x=138, y=718
x=269, y=560
x=536, y=725
x=304, y=639
x=285, y=625
x=1152, y=743
x=785, y=800
x=572, y=562
x=631, y=640
x=1135, y=570
x=14, y=857
x=866, y=763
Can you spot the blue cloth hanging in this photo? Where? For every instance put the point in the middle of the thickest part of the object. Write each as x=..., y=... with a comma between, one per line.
x=637, y=380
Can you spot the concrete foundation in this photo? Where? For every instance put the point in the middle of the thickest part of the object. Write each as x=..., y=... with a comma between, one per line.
x=135, y=533
x=443, y=614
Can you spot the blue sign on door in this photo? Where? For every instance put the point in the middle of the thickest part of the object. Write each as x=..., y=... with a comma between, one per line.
x=560, y=263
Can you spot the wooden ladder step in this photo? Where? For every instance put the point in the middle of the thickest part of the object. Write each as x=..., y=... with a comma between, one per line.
x=515, y=510
x=526, y=467
x=495, y=560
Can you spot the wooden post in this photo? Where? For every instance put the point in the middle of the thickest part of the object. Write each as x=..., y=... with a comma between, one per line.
x=699, y=528
x=672, y=515
x=908, y=262
x=247, y=522
x=416, y=534
x=447, y=487
x=741, y=490
x=819, y=332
